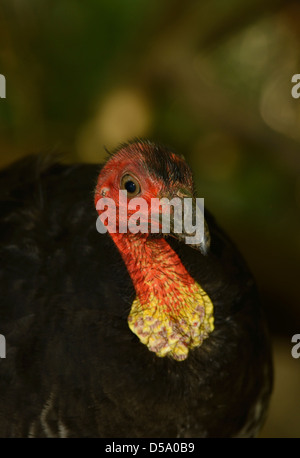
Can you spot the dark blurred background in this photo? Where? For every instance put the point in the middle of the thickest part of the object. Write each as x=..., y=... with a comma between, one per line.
x=210, y=78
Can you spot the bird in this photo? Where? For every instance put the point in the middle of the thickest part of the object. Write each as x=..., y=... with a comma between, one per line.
x=115, y=333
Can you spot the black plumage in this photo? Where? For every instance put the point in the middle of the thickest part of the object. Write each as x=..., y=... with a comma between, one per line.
x=73, y=367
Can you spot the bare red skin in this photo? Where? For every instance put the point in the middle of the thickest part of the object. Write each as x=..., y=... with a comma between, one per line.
x=149, y=261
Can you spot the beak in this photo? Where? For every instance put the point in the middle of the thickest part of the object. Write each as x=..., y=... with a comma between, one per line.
x=187, y=222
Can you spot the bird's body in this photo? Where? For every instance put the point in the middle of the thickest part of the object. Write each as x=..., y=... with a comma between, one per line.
x=73, y=366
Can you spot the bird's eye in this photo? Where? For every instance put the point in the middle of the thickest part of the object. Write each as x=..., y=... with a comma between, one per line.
x=131, y=185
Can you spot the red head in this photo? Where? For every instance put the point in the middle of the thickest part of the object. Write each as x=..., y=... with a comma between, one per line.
x=145, y=170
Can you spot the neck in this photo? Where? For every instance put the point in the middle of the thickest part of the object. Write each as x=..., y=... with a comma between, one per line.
x=171, y=312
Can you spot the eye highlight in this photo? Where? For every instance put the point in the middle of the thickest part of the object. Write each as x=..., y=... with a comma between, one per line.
x=131, y=185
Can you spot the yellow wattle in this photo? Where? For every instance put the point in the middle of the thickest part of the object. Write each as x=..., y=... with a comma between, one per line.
x=173, y=332
x=171, y=313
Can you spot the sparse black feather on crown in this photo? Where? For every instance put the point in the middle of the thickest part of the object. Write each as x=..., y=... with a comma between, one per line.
x=158, y=160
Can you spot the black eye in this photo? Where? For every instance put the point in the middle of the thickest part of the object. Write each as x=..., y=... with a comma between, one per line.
x=131, y=185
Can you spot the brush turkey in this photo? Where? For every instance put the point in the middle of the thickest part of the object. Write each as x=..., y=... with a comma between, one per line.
x=123, y=334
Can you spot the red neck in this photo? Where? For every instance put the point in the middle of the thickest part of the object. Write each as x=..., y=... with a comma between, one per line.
x=171, y=312
x=153, y=265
